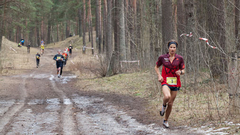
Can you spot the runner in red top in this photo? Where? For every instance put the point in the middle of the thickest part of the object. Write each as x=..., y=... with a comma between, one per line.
x=173, y=67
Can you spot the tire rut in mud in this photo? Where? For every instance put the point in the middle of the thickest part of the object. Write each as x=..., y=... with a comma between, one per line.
x=67, y=115
x=97, y=116
x=13, y=109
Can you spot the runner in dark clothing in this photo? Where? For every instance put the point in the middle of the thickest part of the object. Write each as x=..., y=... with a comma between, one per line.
x=59, y=62
x=38, y=59
x=70, y=50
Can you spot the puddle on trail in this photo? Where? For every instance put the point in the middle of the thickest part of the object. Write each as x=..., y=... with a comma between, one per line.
x=64, y=78
x=40, y=123
x=94, y=116
x=5, y=105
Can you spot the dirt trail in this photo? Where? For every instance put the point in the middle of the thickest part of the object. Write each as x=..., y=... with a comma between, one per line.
x=38, y=102
x=13, y=108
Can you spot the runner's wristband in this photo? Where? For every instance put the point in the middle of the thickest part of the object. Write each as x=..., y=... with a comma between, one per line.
x=181, y=72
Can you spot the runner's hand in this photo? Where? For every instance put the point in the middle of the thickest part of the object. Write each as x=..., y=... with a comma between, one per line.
x=160, y=78
x=178, y=72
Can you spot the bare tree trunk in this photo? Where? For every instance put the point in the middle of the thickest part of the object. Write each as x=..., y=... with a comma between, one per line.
x=2, y=25
x=132, y=30
x=127, y=16
x=151, y=31
x=1, y=34
x=109, y=47
x=42, y=34
x=97, y=23
x=167, y=20
x=25, y=33
x=222, y=40
x=88, y=21
x=57, y=32
x=237, y=23
x=181, y=22
x=31, y=35
x=77, y=26
x=139, y=50
x=158, y=37
x=49, y=31
x=99, y=26
x=80, y=22
x=190, y=55
x=116, y=27
x=38, y=36
x=104, y=25
x=122, y=31
x=84, y=25
x=90, y=25
x=68, y=28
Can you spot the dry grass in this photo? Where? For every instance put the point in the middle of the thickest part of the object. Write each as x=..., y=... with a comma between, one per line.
x=203, y=103
x=196, y=104
x=16, y=60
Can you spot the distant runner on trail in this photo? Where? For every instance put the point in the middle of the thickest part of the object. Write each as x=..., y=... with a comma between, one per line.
x=70, y=50
x=22, y=41
x=38, y=59
x=59, y=63
x=19, y=44
x=42, y=42
x=173, y=67
x=67, y=50
x=42, y=49
x=65, y=55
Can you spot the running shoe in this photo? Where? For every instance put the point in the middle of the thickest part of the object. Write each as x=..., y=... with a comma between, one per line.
x=59, y=76
x=165, y=123
x=163, y=111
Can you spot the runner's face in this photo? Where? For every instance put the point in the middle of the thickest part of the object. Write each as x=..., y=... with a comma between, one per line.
x=172, y=49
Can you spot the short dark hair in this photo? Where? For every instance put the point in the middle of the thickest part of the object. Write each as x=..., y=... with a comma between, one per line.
x=172, y=42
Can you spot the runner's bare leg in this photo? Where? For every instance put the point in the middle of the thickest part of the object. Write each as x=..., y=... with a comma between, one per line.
x=170, y=104
x=166, y=93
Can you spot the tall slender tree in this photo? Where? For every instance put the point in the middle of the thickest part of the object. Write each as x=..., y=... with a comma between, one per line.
x=80, y=22
x=222, y=39
x=90, y=23
x=104, y=24
x=122, y=29
x=99, y=28
x=109, y=45
x=167, y=25
x=132, y=29
x=84, y=22
x=237, y=24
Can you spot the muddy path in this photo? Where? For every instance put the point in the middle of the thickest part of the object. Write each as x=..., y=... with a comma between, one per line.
x=37, y=102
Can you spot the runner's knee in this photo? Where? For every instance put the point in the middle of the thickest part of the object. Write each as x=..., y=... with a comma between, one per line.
x=170, y=104
x=167, y=97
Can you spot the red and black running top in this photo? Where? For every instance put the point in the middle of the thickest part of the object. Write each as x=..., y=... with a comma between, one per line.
x=169, y=69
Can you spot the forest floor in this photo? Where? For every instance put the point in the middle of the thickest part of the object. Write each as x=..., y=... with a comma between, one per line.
x=34, y=101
